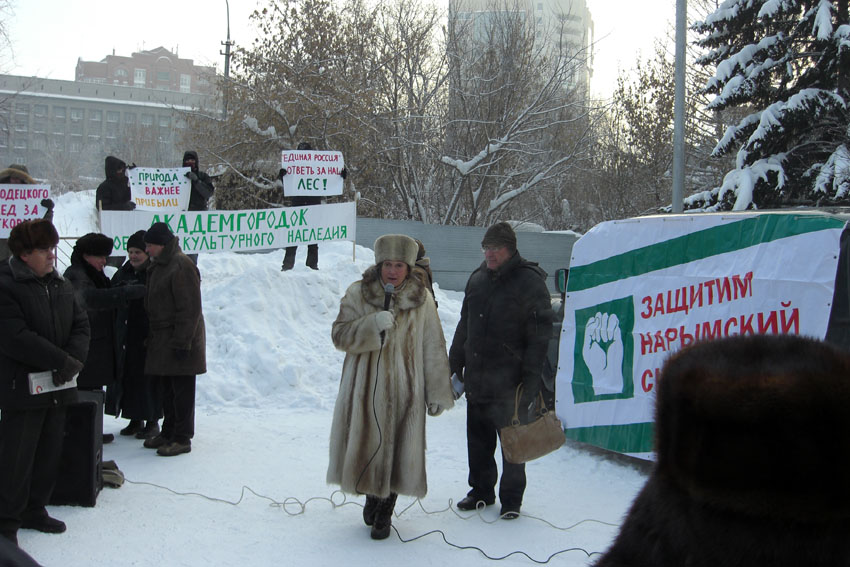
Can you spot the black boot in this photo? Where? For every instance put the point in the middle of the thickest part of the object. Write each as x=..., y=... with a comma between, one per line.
x=384, y=517
x=370, y=508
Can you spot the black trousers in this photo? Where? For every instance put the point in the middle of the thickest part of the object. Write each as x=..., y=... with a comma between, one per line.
x=312, y=256
x=178, y=407
x=30, y=449
x=483, y=421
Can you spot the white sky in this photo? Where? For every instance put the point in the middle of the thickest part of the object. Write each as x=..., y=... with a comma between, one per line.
x=48, y=36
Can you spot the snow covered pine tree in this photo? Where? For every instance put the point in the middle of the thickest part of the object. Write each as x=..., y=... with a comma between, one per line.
x=786, y=65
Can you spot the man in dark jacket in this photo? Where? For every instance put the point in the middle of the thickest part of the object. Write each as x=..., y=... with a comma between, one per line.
x=114, y=193
x=44, y=329
x=202, y=185
x=176, y=340
x=500, y=343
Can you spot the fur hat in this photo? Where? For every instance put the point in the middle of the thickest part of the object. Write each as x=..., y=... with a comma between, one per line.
x=93, y=244
x=32, y=234
x=159, y=233
x=396, y=247
x=758, y=425
x=137, y=240
x=16, y=170
x=500, y=234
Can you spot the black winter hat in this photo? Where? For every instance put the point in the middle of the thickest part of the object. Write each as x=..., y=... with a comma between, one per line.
x=32, y=234
x=500, y=234
x=112, y=165
x=159, y=233
x=137, y=240
x=94, y=244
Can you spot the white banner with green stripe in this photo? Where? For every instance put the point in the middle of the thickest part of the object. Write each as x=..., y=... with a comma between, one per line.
x=642, y=288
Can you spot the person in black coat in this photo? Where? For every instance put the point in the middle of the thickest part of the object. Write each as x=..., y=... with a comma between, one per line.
x=44, y=329
x=100, y=300
x=138, y=398
x=202, y=185
x=114, y=193
x=500, y=342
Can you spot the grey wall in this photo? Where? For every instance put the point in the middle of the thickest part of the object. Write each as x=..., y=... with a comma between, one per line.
x=455, y=251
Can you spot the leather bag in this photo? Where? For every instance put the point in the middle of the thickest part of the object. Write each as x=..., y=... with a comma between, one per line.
x=523, y=443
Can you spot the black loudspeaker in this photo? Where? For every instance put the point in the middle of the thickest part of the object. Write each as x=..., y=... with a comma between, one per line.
x=80, y=477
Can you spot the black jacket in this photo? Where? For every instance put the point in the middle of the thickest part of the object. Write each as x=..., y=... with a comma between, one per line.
x=202, y=187
x=100, y=300
x=43, y=323
x=504, y=329
x=114, y=194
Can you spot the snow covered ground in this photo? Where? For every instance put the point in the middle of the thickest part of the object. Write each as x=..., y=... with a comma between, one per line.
x=252, y=491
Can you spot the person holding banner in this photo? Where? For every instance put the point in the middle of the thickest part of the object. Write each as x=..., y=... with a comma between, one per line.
x=500, y=342
x=100, y=300
x=176, y=340
x=202, y=185
x=138, y=397
x=44, y=329
x=114, y=193
x=395, y=370
x=17, y=174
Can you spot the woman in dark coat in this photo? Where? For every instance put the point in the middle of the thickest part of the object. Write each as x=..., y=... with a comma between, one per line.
x=135, y=394
x=100, y=300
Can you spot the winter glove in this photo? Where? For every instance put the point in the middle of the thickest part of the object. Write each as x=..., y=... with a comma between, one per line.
x=47, y=204
x=181, y=353
x=281, y=173
x=192, y=175
x=132, y=166
x=70, y=368
x=457, y=385
x=343, y=173
x=384, y=320
x=133, y=291
x=129, y=206
x=434, y=409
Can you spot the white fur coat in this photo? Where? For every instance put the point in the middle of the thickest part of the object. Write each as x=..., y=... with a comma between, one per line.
x=377, y=443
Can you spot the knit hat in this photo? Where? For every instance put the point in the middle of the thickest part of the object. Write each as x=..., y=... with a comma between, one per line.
x=32, y=234
x=159, y=233
x=500, y=234
x=93, y=244
x=396, y=247
x=191, y=154
x=137, y=240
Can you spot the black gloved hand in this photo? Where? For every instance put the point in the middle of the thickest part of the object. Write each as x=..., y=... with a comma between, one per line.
x=281, y=173
x=70, y=368
x=343, y=173
x=133, y=291
x=130, y=205
x=47, y=204
x=192, y=175
x=528, y=403
x=132, y=166
x=181, y=353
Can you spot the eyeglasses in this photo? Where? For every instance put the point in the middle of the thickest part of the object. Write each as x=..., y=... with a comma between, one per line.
x=491, y=248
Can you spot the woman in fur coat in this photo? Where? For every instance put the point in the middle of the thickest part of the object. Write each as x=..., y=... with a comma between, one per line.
x=395, y=369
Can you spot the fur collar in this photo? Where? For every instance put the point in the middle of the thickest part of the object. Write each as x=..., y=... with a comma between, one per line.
x=409, y=295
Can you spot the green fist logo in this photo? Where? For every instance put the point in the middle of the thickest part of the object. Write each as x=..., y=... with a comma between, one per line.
x=604, y=351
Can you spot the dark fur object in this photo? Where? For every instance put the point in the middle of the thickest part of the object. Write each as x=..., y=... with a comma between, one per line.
x=753, y=460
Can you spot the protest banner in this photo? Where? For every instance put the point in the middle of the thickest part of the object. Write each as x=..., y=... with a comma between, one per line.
x=310, y=173
x=19, y=203
x=161, y=189
x=642, y=288
x=239, y=231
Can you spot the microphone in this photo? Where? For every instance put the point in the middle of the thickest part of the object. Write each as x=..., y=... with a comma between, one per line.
x=388, y=295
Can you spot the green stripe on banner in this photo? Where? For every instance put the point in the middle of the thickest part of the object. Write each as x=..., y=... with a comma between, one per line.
x=629, y=438
x=697, y=246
